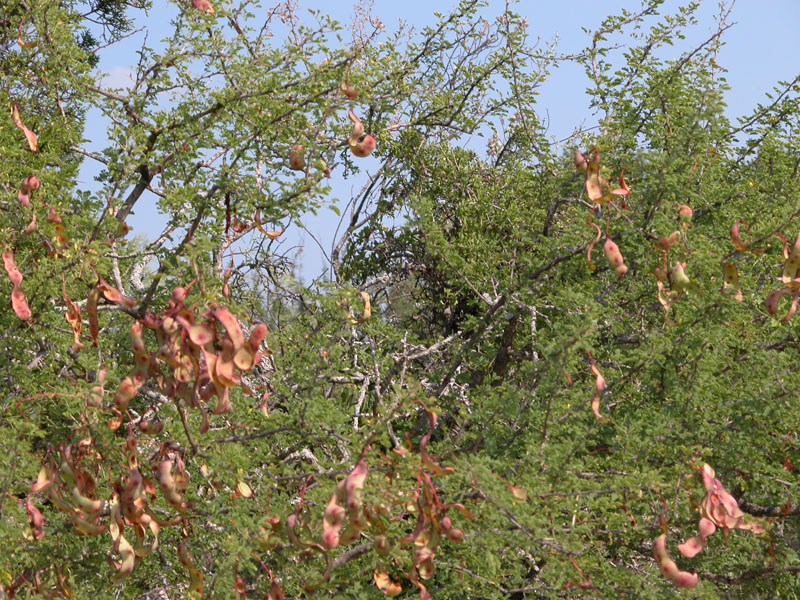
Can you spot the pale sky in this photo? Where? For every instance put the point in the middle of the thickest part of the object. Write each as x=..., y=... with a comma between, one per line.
x=761, y=50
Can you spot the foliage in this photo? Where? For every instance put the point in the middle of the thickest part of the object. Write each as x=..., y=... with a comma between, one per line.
x=473, y=405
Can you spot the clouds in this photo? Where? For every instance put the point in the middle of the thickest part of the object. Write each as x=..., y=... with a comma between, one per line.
x=118, y=78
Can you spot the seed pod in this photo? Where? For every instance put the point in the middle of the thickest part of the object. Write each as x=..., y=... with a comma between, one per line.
x=681, y=579
x=580, y=162
x=348, y=90
x=730, y=279
x=694, y=545
x=30, y=136
x=361, y=145
x=599, y=389
x=203, y=5
x=614, y=257
x=685, y=215
x=680, y=282
x=296, y=160
x=591, y=245
x=36, y=520
x=168, y=486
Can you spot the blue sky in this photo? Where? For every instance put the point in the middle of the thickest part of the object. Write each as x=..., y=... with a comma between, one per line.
x=761, y=50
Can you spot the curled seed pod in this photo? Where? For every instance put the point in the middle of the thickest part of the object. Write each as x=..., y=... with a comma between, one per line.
x=680, y=282
x=774, y=298
x=195, y=575
x=36, y=520
x=364, y=147
x=694, y=545
x=28, y=185
x=737, y=241
x=30, y=136
x=150, y=427
x=168, y=486
x=792, y=263
x=18, y=301
x=365, y=316
x=681, y=579
x=43, y=480
x=321, y=165
x=599, y=389
x=361, y=145
x=591, y=246
x=386, y=584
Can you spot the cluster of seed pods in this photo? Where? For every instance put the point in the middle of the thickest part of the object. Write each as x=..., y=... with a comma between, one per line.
x=345, y=506
x=199, y=355
x=433, y=524
x=348, y=515
x=790, y=279
x=47, y=582
x=717, y=510
x=730, y=274
x=679, y=282
x=361, y=144
x=69, y=482
x=597, y=188
x=599, y=192
x=29, y=184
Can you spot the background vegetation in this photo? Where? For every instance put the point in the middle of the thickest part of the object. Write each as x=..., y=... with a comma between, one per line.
x=420, y=423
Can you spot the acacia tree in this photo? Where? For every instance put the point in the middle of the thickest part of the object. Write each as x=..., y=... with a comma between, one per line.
x=476, y=403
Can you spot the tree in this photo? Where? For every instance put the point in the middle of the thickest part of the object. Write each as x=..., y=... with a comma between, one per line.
x=476, y=403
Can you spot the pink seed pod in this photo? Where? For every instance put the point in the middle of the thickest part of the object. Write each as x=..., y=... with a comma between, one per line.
x=364, y=147
x=361, y=145
x=685, y=215
x=681, y=579
x=203, y=5
x=28, y=185
x=580, y=162
x=694, y=545
x=614, y=257
x=296, y=160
